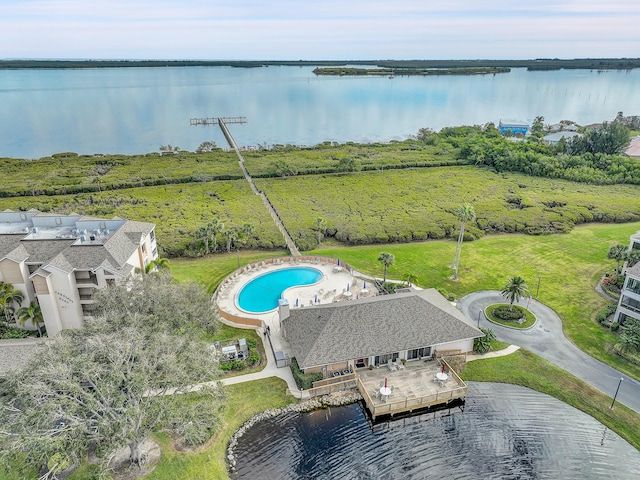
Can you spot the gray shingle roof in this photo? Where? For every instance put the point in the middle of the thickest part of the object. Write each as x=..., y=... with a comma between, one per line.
x=41, y=251
x=68, y=256
x=8, y=243
x=380, y=325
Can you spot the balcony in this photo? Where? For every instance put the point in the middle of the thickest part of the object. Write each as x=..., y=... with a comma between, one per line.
x=630, y=304
x=86, y=279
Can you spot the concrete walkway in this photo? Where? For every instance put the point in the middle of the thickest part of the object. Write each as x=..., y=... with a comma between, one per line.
x=498, y=353
x=547, y=340
x=15, y=353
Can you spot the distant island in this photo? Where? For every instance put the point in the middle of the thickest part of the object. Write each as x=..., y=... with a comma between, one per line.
x=405, y=65
x=404, y=71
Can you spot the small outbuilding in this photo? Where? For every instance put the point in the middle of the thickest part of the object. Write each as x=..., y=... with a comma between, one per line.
x=513, y=126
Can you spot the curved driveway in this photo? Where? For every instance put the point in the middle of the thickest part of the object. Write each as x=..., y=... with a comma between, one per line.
x=547, y=340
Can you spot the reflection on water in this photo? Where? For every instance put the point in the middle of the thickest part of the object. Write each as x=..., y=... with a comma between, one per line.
x=505, y=432
x=135, y=110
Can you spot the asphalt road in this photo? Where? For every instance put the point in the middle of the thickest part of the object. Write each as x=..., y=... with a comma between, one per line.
x=547, y=340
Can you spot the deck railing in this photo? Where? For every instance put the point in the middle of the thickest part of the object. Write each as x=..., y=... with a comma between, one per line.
x=406, y=404
x=331, y=380
x=341, y=386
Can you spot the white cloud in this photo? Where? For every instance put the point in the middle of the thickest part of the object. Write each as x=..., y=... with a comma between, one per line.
x=285, y=29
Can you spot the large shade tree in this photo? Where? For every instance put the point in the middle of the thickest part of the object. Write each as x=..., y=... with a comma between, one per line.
x=514, y=290
x=118, y=380
x=465, y=213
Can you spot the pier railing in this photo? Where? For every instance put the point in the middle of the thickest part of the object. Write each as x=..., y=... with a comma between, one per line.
x=409, y=404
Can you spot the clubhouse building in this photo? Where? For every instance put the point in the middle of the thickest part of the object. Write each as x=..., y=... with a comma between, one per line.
x=376, y=331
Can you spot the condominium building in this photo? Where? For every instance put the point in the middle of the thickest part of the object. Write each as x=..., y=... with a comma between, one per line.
x=60, y=260
x=629, y=303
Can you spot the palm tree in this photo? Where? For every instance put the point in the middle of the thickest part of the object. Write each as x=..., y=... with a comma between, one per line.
x=205, y=234
x=9, y=296
x=514, y=290
x=31, y=312
x=465, y=214
x=209, y=233
x=409, y=278
x=231, y=235
x=157, y=264
x=320, y=226
x=215, y=227
x=387, y=260
x=618, y=253
x=632, y=257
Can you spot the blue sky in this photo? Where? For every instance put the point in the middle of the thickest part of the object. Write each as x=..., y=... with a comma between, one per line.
x=313, y=30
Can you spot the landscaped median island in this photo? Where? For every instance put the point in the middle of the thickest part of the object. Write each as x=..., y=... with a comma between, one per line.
x=512, y=316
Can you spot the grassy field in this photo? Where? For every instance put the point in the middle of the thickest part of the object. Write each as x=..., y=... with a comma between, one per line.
x=375, y=156
x=243, y=401
x=377, y=206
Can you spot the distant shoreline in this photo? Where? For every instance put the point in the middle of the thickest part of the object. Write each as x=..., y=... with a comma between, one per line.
x=536, y=64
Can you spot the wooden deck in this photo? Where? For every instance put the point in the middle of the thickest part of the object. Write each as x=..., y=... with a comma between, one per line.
x=414, y=388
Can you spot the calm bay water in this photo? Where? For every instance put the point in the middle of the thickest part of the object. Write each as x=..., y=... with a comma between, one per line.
x=135, y=110
x=505, y=432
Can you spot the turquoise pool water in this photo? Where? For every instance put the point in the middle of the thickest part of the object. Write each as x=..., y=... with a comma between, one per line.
x=262, y=293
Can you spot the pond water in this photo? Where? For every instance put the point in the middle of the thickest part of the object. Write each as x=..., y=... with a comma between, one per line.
x=505, y=432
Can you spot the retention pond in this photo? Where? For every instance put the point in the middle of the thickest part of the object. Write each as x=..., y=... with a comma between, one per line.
x=505, y=432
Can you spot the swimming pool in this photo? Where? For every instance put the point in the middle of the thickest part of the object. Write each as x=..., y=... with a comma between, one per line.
x=262, y=293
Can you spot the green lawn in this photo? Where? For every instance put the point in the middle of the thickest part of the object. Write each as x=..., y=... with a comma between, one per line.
x=210, y=271
x=243, y=401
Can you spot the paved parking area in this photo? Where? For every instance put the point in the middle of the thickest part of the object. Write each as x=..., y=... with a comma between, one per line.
x=16, y=353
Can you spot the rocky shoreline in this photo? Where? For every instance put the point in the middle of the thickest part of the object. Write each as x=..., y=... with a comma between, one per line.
x=333, y=400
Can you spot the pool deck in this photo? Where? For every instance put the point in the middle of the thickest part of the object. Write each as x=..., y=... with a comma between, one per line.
x=330, y=288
